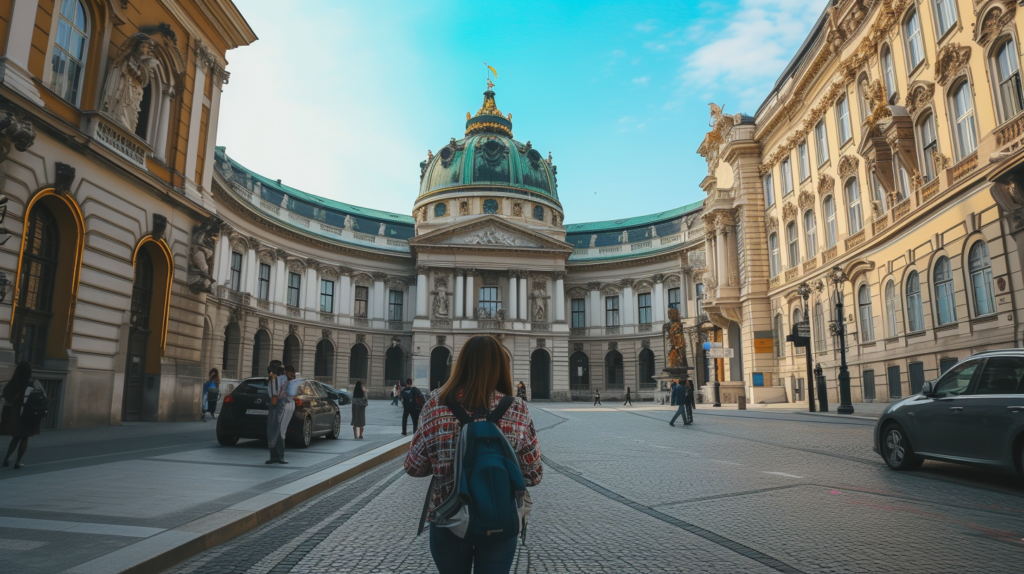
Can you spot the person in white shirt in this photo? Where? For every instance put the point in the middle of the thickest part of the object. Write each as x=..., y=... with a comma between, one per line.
x=275, y=437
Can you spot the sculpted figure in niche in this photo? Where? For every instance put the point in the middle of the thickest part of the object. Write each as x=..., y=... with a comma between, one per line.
x=128, y=76
x=200, y=256
x=350, y=224
x=380, y=230
x=593, y=240
x=441, y=304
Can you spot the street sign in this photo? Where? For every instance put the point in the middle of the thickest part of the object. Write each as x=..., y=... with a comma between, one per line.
x=721, y=353
x=803, y=330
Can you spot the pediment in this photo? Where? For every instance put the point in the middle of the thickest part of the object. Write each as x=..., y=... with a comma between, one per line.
x=489, y=232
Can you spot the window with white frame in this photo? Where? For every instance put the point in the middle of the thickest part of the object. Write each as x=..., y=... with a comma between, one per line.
x=774, y=258
x=489, y=303
x=362, y=302
x=854, y=216
x=769, y=190
x=778, y=336
x=945, y=15
x=915, y=314
x=611, y=310
x=644, y=303
x=294, y=289
x=890, y=309
x=878, y=194
x=915, y=42
x=810, y=234
x=579, y=313
x=673, y=298
x=980, y=267
x=786, y=173
x=396, y=302
x=963, y=110
x=326, y=296
x=821, y=141
x=793, y=244
x=67, y=64
x=828, y=209
x=805, y=161
x=929, y=145
x=236, y=271
x=1011, y=98
x=945, y=301
x=867, y=324
x=903, y=189
x=843, y=121
x=889, y=74
x=263, y=283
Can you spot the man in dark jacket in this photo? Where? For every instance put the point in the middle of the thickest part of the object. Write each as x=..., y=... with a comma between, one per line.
x=679, y=394
x=412, y=403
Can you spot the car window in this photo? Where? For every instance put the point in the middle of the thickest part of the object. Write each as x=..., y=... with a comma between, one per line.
x=304, y=389
x=252, y=387
x=319, y=389
x=1001, y=376
x=956, y=380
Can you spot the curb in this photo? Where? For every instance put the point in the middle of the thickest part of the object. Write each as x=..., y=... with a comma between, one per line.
x=164, y=550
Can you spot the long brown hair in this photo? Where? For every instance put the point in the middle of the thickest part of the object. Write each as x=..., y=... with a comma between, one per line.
x=482, y=368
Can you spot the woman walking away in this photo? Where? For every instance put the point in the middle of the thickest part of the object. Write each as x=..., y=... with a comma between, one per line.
x=597, y=397
x=481, y=384
x=24, y=406
x=211, y=392
x=359, y=403
x=395, y=395
x=521, y=391
x=629, y=400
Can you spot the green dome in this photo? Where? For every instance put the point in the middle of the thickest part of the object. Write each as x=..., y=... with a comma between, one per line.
x=489, y=159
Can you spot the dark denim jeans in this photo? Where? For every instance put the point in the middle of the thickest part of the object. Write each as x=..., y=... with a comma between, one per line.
x=453, y=555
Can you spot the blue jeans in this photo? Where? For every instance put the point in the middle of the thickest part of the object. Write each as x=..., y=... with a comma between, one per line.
x=453, y=555
x=684, y=410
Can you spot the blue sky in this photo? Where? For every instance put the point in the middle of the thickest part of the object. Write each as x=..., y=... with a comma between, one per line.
x=343, y=99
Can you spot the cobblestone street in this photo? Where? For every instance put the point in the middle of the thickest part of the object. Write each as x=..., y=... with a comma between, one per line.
x=625, y=492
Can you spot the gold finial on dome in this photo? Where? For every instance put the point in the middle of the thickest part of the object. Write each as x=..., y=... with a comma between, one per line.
x=489, y=118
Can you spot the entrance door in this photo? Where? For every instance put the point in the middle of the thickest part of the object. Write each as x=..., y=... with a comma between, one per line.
x=440, y=367
x=540, y=375
x=135, y=375
x=895, y=384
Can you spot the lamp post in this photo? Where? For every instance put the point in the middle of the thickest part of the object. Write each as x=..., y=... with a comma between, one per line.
x=838, y=278
x=804, y=290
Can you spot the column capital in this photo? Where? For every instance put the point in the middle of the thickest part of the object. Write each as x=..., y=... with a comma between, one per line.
x=379, y=276
x=422, y=270
x=593, y=285
x=658, y=277
x=560, y=275
x=345, y=271
x=627, y=283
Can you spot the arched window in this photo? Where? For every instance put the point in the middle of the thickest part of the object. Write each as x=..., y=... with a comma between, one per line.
x=645, y=362
x=810, y=234
x=613, y=370
x=68, y=62
x=774, y=259
x=358, y=363
x=862, y=99
x=323, y=361
x=854, y=216
x=35, y=294
x=828, y=208
x=963, y=108
x=945, y=15
x=890, y=309
x=867, y=322
x=915, y=315
x=945, y=304
x=889, y=74
x=779, y=336
x=1011, y=99
x=229, y=360
x=915, y=43
x=980, y=267
x=843, y=121
x=793, y=244
x=819, y=328
x=928, y=145
x=394, y=365
x=292, y=354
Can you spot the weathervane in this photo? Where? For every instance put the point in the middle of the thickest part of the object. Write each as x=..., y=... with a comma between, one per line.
x=490, y=70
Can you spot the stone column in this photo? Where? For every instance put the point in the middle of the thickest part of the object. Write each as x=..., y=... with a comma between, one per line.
x=250, y=272
x=524, y=291
x=421, y=292
x=280, y=286
x=460, y=295
x=203, y=60
x=219, y=79
x=513, y=296
x=470, y=314
x=560, y=296
x=722, y=267
x=345, y=293
x=378, y=296
x=14, y=64
x=684, y=291
x=658, y=299
x=160, y=151
x=311, y=290
x=629, y=303
x=710, y=253
x=596, y=312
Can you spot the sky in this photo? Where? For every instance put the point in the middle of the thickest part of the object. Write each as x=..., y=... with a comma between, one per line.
x=343, y=99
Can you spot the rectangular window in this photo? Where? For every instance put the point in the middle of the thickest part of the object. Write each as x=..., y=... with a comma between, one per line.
x=946, y=364
x=673, y=298
x=915, y=44
x=821, y=142
x=611, y=311
x=263, y=288
x=489, y=303
x=579, y=313
x=362, y=301
x=294, y=288
x=869, y=384
x=843, y=121
x=236, y=271
x=644, y=301
x=786, y=172
x=805, y=161
x=769, y=190
x=326, y=296
x=395, y=300
x=945, y=15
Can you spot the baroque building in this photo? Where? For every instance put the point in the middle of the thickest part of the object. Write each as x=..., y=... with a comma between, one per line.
x=889, y=150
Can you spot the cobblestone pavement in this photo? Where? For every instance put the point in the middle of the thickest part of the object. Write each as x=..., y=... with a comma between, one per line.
x=625, y=492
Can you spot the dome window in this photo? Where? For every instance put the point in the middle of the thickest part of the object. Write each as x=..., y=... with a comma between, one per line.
x=490, y=206
x=440, y=210
x=538, y=213
x=447, y=155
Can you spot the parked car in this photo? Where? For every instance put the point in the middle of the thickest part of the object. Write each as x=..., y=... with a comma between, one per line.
x=244, y=414
x=972, y=414
x=341, y=397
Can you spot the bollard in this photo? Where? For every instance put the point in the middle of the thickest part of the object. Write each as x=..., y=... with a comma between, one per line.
x=741, y=402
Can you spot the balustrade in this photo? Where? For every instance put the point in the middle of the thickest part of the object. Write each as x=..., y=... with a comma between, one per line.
x=855, y=239
x=829, y=254
x=965, y=167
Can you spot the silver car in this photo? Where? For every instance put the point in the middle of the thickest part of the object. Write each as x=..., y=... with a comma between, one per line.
x=972, y=414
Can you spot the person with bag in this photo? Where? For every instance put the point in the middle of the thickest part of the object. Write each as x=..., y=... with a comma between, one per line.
x=395, y=395
x=597, y=397
x=629, y=398
x=276, y=383
x=521, y=390
x=479, y=446
x=24, y=407
x=211, y=392
x=679, y=393
x=359, y=403
x=412, y=404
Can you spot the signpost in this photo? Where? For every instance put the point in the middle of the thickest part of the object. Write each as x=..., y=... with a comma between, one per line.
x=801, y=338
x=721, y=353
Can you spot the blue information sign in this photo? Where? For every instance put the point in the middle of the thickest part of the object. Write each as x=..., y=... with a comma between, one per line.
x=758, y=379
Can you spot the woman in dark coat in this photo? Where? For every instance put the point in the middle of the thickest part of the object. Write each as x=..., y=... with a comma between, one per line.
x=359, y=403
x=15, y=420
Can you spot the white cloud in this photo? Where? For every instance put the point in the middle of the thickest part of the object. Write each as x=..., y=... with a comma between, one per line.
x=646, y=27
x=641, y=80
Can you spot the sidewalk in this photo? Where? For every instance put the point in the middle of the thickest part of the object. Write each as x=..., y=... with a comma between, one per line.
x=139, y=497
x=860, y=410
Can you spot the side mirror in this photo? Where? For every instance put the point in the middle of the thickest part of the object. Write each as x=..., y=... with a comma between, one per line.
x=928, y=389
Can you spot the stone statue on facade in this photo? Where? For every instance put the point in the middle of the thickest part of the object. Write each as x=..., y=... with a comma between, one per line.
x=200, y=256
x=126, y=80
x=676, y=341
x=442, y=307
x=350, y=223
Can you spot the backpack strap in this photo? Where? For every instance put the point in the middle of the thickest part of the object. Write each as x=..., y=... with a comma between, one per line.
x=494, y=416
x=499, y=411
x=457, y=410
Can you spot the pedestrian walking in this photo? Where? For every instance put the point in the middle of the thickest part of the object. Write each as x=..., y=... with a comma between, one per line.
x=395, y=395
x=629, y=399
x=211, y=392
x=521, y=390
x=680, y=395
x=412, y=403
x=276, y=383
x=597, y=397
x=359, y=403
x=672, y=394
x=480, y=384
x=24, y=407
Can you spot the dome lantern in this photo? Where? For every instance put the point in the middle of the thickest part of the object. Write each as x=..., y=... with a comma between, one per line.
x=489, y=118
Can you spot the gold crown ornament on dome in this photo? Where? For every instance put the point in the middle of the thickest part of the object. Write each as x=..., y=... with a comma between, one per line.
x=489, y=118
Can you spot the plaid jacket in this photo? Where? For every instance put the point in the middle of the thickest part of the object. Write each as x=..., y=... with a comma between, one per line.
x=433, y=446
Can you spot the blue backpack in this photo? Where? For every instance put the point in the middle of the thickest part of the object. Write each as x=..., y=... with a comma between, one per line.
x=485, y=504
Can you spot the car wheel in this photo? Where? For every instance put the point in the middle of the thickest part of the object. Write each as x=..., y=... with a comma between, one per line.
x=226, y=440
x=896, y=449
x=305, y=436
x=335, y=427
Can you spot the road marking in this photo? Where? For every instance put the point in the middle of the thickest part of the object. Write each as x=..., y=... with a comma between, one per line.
x=787, y=475
x=727, y=462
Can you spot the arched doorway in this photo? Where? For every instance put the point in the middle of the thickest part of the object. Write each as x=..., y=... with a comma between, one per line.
x=613, y=371
x=540, y=374
x=440, y=367
x=323, y=362
x=645, y=364
x=579, y=371
x=292, y=352
x=138, y=338
x=260, y=353
x=358, y=364
x=147, y=329
x=394, y=366
x=229, y=360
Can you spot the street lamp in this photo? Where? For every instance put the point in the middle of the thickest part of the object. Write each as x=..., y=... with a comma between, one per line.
x=804, y=290
x=839, y=278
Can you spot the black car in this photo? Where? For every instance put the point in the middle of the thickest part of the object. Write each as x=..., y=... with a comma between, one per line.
x=244, y=414
x=339, y=396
